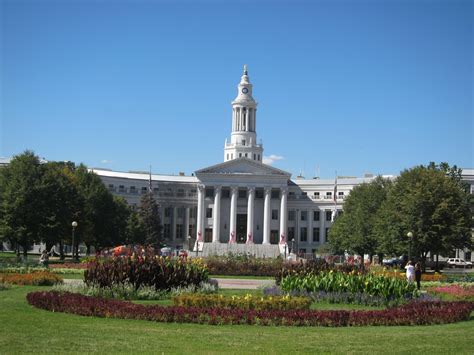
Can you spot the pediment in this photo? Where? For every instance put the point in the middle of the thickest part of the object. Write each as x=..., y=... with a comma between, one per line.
x=243, y=166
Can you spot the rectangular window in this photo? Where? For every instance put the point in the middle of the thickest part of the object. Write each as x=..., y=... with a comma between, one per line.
x=316, y=195
x=243, y=143
x=225, y=193
x=246, y=155
x=192, y=212
x=328, y=195
x=210, y=192
x=258, y=193
x=274, y=214
x=291, y=215
x=291, y=233
x=240, y=155
x=316, y=235
x=255, y=157
x=208, y=212
x=180, y=193
x=144, y=190
x=133, y=189
x=276, y=194
x=168, y=212
x=328, y=215
x=340, y=194
x=259, y=157
x=166, y=231
x=316, y=216
x=304, y=193
x=181, y=212
x=121, y=188
x=304, y=215
x=242, y=194
x=111, y=187
x=179, y=231
x=303, y=234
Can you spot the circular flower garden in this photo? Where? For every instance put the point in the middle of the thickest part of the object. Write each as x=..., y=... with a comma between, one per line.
x=111, y=285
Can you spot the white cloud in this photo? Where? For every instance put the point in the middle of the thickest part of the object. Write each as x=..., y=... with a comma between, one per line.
x=105, y=161
x=271, y=159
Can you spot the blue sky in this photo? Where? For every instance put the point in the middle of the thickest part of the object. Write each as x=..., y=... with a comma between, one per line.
x=352, y=86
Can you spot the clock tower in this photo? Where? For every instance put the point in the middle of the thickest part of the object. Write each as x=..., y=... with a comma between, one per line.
x=243, y=143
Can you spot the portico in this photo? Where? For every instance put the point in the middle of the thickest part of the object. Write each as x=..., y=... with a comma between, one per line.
x=242, y=187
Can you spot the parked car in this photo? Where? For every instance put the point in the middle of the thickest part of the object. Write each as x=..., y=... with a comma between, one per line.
x=457, y=262
x=392, y=262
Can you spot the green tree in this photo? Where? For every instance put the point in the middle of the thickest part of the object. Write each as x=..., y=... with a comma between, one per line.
x=431, y=205
x=20, y=211
x=104, y=217
x=61, y=203
x=135, y=232
x=150, y=217
x=353, y=231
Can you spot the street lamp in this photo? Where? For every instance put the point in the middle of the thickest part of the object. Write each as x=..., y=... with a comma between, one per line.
x=293, y=245
x=410, y=237
x=74, y=225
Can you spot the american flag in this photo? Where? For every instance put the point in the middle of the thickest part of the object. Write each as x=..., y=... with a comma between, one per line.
x=334, y=198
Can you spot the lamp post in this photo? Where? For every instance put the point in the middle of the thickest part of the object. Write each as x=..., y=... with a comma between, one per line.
x=410, y=237
x=293, y=245
x=189, y=242
x=74, y=225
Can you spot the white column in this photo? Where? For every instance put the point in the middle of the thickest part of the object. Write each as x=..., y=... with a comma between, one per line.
x=200, y=214
x=247, y=121
x=234, y=190
x=284, y=216
x=250, y=214
x=298, y=222
x=322, y=227
x=173, y=224
x=267, y=216
x=186, y=224
x=216, y=225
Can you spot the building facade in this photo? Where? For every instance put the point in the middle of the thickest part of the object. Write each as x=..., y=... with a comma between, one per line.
x=242, y=200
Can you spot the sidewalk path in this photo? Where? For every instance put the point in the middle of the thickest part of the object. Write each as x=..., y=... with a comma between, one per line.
x=244, y=283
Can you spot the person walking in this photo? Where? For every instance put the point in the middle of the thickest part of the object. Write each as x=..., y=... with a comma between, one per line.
x=418, y=275
x=410, y=271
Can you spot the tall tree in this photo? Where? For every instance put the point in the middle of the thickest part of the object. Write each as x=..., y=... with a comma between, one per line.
x=61, y=202
x=354, y=229
x=150, y=217
x=20, y=210
x=135, y=232
x=431, y=205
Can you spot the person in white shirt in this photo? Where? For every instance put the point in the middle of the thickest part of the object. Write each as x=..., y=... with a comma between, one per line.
x=410, y=271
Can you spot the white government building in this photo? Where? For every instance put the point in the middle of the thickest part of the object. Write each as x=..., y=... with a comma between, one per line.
x=242, y=204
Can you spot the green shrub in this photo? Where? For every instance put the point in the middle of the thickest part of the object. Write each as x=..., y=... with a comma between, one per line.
x=242, y=302
x=373, y=285
x=147, y=271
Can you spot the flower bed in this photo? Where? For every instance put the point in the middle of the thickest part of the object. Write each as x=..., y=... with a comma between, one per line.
x=71, y=266
x=458, y=292
x=415, y=313
x=158, y=272
x=40, y=278
x=243, y=265
x=315, y=267
x=374, y=285
x=242, y=302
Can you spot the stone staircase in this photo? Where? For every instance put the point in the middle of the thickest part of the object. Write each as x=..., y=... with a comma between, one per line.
x=257, y=250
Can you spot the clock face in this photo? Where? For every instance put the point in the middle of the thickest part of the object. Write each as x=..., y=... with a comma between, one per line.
x=245, y=90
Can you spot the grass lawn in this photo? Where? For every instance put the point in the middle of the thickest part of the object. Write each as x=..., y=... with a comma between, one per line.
x=26, y=329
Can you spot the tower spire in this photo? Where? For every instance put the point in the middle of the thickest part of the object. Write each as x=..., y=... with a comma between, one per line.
x=245, y=70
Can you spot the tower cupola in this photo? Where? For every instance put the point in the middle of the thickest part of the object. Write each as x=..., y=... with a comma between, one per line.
x=243, y=142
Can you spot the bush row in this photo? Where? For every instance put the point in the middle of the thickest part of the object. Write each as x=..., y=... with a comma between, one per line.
x=415, y=313
x=242, y=302
x=158, y=272
x=316, y=267
x=243, y=265
x=40, y=278
x=374, y=285
x=128, y=292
